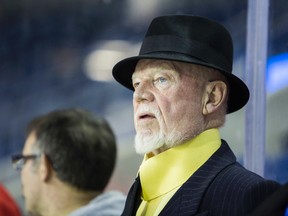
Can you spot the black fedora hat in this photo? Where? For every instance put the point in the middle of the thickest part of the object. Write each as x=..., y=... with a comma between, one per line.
x=190, y=39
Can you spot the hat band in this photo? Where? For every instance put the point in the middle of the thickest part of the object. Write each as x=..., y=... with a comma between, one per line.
x=168, y=43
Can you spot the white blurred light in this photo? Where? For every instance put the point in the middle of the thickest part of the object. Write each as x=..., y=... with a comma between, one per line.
x=99, y=63
x=139, y=10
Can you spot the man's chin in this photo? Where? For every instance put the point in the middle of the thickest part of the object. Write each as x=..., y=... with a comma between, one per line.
x=145, y=148
x=146, y=143
x=140, y=149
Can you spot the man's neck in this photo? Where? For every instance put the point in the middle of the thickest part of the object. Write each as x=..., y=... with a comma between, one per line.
x=63, y=200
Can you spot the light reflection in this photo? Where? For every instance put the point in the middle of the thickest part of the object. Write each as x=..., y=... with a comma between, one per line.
x=99, y=63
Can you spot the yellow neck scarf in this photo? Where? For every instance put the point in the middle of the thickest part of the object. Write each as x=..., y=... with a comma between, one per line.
x=162, y=174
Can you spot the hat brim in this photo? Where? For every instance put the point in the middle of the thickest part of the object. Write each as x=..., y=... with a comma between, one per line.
x=238, y=91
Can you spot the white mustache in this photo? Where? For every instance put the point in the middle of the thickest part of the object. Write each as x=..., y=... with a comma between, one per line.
x=147, y=110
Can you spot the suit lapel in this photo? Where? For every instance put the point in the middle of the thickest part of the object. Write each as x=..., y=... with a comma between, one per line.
x=187, y=199
x=133, y=199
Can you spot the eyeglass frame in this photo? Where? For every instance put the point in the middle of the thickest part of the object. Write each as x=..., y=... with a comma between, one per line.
x=19, y=160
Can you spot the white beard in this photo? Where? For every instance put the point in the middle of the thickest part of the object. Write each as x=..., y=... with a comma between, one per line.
x=148, y=142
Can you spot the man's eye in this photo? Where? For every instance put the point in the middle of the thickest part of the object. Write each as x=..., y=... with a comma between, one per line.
x=136, y=84
x=161, y=80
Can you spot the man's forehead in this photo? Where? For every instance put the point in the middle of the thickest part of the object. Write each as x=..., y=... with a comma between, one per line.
x=156, y=64
x=29, y=143
x=161, y=62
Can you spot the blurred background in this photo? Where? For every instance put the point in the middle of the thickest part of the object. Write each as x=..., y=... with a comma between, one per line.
x=58, y=54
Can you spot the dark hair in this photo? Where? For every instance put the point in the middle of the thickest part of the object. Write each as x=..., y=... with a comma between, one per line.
x=80, y=146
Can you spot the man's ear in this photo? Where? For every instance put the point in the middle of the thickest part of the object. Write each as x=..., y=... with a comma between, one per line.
x=45, y=169
x=214, y=96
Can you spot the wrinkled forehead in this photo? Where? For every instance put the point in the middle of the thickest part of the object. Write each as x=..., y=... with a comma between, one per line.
x=159, y=65
x=194, y=71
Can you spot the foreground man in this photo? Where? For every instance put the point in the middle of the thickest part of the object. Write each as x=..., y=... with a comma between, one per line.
x=67, y=161
x=183, y=88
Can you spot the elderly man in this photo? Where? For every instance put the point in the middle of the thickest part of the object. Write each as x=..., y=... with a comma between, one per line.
x=183, y=88
x=67, y=160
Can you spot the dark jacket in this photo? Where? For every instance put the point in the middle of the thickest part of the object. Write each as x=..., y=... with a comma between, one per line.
x=221, y=187
x=276, y=204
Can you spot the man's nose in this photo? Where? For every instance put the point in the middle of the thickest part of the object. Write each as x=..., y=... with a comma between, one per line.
x=143, y=92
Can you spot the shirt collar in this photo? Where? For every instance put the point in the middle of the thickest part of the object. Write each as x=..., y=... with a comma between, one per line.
x=171, y=168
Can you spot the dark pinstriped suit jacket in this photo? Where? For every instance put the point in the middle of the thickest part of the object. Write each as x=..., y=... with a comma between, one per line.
x=221, y=187
x=275, y=205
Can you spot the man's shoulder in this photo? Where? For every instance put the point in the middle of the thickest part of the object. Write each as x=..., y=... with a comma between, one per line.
x=236, y=172
x=239, y=187
x=106, y=204
x=237, y=178
x=274, y=205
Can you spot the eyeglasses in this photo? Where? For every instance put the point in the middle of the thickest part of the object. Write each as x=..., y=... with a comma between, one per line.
x=19, y=160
